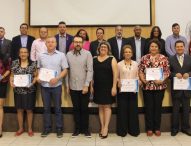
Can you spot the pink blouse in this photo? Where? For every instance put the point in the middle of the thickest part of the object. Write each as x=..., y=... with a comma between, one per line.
x=86, y=46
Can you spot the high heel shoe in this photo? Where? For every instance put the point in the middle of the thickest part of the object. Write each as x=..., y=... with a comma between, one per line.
x=18, y=133
x=103, y=137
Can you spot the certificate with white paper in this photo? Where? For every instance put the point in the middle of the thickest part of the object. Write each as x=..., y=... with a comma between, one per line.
x=47, y=74
x=129, y=85
x=22, y=80
x=181, y=84
x=154, y=74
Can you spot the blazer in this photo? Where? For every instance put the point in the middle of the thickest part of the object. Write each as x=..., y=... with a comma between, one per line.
x=69, y=40
x=16, y=45
x=114, y=48
x=6, y=47
x=162, y=47
x=175, y=68
x=93, y=47
x=131, y=41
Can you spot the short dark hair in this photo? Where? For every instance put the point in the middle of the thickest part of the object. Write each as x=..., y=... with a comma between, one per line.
x=152, y=32
x=175, y=24
x=2, y=28
x=77, y=36
x=61, y=22
x=99, y=28
x=24, y=24
x=179, y=41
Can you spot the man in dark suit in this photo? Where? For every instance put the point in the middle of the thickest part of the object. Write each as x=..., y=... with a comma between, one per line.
x=21, y=41
x=94, y=44
x=180, y=66
x=63, y=39
x=137, y=43
x=5, y=44
x=117, y=42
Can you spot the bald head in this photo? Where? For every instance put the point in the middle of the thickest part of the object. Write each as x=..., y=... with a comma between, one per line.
x=43, y=33
x=118, y=31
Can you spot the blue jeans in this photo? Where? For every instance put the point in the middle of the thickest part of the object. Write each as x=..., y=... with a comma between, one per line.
x=54, y=94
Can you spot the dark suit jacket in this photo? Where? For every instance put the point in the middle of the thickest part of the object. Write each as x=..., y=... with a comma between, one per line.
x=131, y=41
x=69, y=40
x=16, y=45
x=176, y=68
x=93, y=47
x=6, y=48
x=162, y=48
x=114, y=48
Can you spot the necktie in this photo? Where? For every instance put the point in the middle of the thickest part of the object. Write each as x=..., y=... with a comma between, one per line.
x=180, y=60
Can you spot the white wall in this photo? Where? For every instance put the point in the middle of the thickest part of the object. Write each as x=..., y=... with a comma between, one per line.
x=171, y=11
x=11, y=16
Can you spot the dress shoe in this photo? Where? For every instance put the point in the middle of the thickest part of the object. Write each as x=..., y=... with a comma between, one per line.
x=174, y=132
x=149, y=133
x=187, y=132
x=157, y=133
x=1, y=135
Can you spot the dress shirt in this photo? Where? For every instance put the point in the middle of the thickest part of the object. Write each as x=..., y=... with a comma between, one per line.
x=170, y=44
x=80, y=69
x=128, y=71
x=56, y=61
x=38, y=47
x=24, y=39
x=119, y=44
x=138, y=49
x=62, y=43
x=180, y=59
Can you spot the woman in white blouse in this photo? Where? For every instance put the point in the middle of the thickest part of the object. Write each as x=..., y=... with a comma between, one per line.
x=127, y=103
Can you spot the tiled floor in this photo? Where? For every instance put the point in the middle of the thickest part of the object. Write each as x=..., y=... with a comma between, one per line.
x=165, y=139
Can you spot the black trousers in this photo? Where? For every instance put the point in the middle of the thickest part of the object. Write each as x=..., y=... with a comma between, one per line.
x=153, y=105
x=127, y=114
x=185, y=102
x=80, y=110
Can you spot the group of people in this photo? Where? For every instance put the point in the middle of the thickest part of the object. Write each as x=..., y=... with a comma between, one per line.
x=96, y=68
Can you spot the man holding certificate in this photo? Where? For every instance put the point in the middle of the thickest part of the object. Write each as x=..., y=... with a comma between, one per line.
x=127, y=102
x=153, y=72
x=180, y=66
x=52, y=66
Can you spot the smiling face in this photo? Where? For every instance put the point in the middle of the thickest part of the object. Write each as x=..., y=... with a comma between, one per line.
x=43, y=32
x=154, y=48
x=156, y=33
x=179, y=48
x=127, y=53
x=62, y=29
x=51, y=44
x=99, y=34
x=104, y=50
x=137, y=31
x=23, y=53
x=118, y=31
x=24, y=29
x=78, y=42
x=176, y=30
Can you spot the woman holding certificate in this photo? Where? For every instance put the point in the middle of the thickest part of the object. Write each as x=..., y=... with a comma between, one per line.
x=153, y=72
x=104, y=84
x=5, y=63
x=127, y=103
x=23, y=78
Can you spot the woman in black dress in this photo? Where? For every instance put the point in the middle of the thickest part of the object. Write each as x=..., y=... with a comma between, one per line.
x=24, y=97
x=104, y=84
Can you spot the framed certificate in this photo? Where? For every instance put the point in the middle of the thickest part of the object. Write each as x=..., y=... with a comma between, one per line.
x=154, y=74
x=47, y=74
x=22, y=80
x=181, y=84
x=129, y=85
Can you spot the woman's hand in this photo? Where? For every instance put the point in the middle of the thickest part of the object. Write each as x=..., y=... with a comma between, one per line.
x=113, y=91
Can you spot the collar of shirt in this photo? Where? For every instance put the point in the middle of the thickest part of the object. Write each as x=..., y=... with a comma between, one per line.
x=180, y=56
x=62, y=35
x=117, y=38
x=138, y=39
x=77, y=52
x=175, y=36
x=55, y=52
